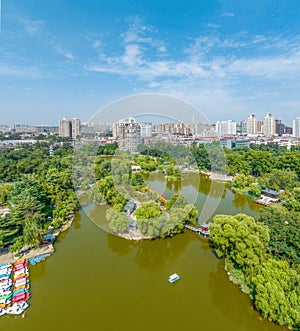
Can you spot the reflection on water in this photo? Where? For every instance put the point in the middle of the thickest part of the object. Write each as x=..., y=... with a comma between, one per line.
x=152, y=256
x=118, y=245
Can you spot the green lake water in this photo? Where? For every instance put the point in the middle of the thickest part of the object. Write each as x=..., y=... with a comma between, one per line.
x=97, y=281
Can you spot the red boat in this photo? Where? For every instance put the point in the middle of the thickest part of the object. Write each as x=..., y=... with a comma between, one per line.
x=23, y=296
x=20, y=266
x=20, y=262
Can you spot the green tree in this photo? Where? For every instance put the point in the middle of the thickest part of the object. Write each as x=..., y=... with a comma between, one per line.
x=289, y=161
x=148, y=210
x=259, y=162
x=4, y=193
x=284, y=227
x=277, y=292
x=118, y=222
x=31, y=233
x=280, y=179
x=1, y=238
x=254, y=189
x=17, y=246
x=240, y=238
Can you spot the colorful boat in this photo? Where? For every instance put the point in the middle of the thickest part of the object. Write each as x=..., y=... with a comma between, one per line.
x=21, y=270
x=5, y=297
x=21, y=297
x=21, y=290
x=17, y=308
x=5, y=271
x=5, y=287
x=5, y=282
x=21, y=282
x=6, y=292
x=20, y=276
x=19, y=267
x=173, y=278
x=4, y=277
x=5, y=266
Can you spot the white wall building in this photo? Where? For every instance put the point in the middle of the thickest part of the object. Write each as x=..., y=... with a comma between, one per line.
x=296, y=127
x=75, y=125
x=226, y=128
x=269, y=126
x=146, y=129
x=251, y=125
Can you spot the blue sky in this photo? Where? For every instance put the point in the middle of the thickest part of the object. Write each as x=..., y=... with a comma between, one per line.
x=70, y=58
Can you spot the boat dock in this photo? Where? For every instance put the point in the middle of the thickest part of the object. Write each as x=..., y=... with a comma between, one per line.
x=203, y=230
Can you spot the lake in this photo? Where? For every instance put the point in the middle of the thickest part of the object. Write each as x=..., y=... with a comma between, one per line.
x=97, y=281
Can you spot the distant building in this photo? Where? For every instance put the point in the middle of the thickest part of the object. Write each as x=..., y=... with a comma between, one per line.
x=146, y=129
x=243, y=126
x=23, y=128
x=65, y=129
x=235, y=143
x=259, y=126
x=251, y=125
x=128, y=134
x=269, y=127
x=180, y=128
x=226, y=128
x=288, y=131
x=46, y=129
x=69, y=128
x=75, y=127
x=198, y=129
x=4, y=128
x=296, y=127
x=279, y=127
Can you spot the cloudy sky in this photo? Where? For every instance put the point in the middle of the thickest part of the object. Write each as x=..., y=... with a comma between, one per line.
x=70, y=58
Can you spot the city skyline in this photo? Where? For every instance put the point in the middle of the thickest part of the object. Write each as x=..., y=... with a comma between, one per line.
x=71, y=59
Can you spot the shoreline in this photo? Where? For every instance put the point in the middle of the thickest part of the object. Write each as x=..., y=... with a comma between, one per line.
x=9, y=257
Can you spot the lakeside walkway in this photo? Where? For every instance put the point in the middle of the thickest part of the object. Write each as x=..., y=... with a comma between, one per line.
x=8, y=257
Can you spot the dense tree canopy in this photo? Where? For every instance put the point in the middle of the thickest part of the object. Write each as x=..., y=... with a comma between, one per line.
x=42, y=193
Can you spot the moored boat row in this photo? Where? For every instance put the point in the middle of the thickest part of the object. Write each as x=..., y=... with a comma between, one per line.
x=14, y=290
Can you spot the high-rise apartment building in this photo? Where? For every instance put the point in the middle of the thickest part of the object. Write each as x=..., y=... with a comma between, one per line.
x=226, y=128
x=75, y=125
x=243, y=126
x=279, y=127
x=251, y=125
x=128, y=134
x=296, y=127
x=174, y=128
x=259, y=126
x=69, y=128
x=65, y=129
x=269, y=127
x=146, y=129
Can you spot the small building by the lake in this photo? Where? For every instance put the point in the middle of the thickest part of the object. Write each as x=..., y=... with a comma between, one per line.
x=270, y=193
x=129, y=208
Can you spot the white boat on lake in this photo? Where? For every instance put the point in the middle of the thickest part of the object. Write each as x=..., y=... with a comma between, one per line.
x=173, y=278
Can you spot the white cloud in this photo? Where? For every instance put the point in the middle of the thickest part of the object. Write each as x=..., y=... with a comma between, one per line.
x=32, y=27
x=18, y=71
x=97, y=44
x=227, y=14
x=132, y=55
x=63, y=52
